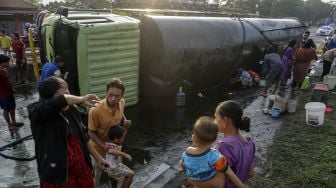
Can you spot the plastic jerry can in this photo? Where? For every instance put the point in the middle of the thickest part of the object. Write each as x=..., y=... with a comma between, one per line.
x=180, y=97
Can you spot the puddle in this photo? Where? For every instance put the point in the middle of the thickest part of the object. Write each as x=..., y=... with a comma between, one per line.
x=139, y=156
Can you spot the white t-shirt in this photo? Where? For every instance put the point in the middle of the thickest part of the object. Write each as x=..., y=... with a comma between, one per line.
x=113, y=160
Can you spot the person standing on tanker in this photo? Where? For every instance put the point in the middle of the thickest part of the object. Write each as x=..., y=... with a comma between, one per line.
x=20, y=56
x=288, y=60
x=108, y=113
x=274, y=69
x=61, y=143
x=303, y=57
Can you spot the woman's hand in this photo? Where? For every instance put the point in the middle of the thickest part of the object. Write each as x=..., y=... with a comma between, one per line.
x=90, y=100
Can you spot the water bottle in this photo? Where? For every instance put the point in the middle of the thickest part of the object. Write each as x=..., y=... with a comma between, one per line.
x=180, y=97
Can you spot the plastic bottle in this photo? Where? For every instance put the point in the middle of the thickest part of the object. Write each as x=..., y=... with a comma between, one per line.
x=305, y=83
x=180, y=97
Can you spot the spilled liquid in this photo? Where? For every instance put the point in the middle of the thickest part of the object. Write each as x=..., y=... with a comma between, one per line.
x=154, y=121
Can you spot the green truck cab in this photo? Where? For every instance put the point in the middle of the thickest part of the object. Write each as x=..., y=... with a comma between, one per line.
x=96, y=46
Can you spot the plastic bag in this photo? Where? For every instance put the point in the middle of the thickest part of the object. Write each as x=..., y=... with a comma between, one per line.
x=305, y=83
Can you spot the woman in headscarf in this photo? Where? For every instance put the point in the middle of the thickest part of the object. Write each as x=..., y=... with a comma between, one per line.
x=303, y=57
x=61, y=143
x=287, y=60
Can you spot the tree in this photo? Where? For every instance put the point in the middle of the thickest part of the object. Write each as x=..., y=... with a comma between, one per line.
x=287, y=8
x=315, y=10
x=246, y=5
x=52, y=6
x=34, y=2
x=265, y=7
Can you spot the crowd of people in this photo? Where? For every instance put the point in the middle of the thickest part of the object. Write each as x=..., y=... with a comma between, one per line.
x=56, y=123
x=69, y=154
x=16, y=45
x=295, y=61
x=278, y=69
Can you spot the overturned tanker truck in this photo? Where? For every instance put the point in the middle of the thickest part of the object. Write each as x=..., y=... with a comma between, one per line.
x=156, y=55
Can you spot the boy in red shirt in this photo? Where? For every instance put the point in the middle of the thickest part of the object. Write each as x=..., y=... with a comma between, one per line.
x=20, y=55
x=7, y=100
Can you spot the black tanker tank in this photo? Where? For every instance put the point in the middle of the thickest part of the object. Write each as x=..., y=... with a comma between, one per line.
x=204, y=52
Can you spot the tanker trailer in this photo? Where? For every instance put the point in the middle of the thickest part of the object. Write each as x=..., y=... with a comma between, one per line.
x=204, y=52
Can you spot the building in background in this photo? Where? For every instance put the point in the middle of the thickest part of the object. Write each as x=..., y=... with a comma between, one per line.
x=15, y=13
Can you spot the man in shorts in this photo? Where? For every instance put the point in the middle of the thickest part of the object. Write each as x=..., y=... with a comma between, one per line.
x=20, y=54
x=7, y=100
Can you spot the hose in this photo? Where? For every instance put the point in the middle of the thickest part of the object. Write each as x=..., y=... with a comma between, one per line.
x=260, y=31
x=242, y=20
x=12, y=144
x=17, y=158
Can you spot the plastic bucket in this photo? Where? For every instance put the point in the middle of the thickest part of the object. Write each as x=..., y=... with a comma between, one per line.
x=315, y=113
x=275, y=112
x=330, y=80
x=280, y=103
x=291, y=106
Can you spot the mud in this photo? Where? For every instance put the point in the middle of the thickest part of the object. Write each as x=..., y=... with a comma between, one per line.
x=17, y=173
x=157, y=135
x=156, y=140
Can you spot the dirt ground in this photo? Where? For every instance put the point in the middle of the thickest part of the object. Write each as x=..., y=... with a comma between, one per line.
x=156, y=140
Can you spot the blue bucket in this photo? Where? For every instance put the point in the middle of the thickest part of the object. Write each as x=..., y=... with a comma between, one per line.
x=275, y=112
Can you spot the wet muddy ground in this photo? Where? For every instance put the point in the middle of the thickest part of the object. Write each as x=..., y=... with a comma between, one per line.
x=156, y=140
x=157, y=136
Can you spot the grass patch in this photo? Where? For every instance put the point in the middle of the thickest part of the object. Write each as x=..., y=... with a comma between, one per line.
x=302, y=156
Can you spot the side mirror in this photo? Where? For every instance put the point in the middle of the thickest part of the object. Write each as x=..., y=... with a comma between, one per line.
x=62, y=11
